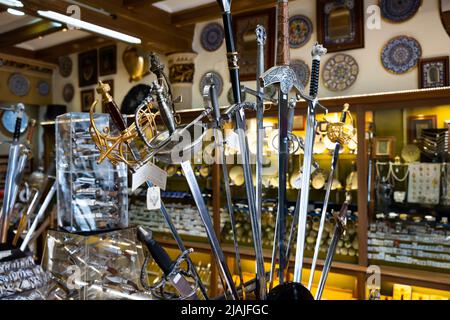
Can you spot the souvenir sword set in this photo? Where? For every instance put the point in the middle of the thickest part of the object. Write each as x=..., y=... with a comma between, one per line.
x=95, y=255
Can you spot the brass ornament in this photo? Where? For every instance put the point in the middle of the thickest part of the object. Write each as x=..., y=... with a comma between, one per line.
x=136, y=63
x=341, y=132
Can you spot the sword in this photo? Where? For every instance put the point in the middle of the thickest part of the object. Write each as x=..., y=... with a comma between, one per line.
x=169, y=267
x=210, y=97
x=39, y=216
x=233, y=66
x=116, y=117
x=303, y=196
x=339, y=229
x=197, y=195
x=261, y=38
x=11, y=172
x=334, y=162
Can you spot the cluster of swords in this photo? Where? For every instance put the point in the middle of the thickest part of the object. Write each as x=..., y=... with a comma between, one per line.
x=19, y=155
x=162, y=145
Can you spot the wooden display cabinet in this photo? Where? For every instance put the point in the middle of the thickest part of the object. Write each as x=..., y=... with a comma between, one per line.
x=359, y=105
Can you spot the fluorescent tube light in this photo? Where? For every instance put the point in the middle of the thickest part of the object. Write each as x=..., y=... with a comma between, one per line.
x=12, y=3
x=89, y=26
x=15, y=12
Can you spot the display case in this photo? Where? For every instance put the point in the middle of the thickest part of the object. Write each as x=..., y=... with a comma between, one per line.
x=92, y=196
x=98, y=266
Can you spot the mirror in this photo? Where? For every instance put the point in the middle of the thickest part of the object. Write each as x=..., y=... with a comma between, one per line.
x=339, y=24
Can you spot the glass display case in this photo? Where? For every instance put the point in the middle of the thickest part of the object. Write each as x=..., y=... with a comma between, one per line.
x=92, y=196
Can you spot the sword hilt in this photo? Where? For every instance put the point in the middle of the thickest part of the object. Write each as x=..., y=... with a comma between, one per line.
x=214, y=100
x=158, y=253
x=110, y=106
x=19, y=115
x=317, y=52
x=30, y=132
x=164, y=109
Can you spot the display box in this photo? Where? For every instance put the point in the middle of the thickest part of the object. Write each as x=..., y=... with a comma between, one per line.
x=102, y=266
x=91, y=196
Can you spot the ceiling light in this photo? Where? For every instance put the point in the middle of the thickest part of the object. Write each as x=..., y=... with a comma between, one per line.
x=89, y=26
x=12, y=3
x=15, y=12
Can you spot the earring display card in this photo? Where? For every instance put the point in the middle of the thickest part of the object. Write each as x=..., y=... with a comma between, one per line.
x=92, y=197
x=424, y=183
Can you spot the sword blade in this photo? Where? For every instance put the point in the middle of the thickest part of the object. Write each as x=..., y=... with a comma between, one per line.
x=209, y=227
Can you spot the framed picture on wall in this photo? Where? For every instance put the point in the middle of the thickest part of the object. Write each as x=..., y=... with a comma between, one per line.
x=87, y=68
x=107, y=60
x=340, y=24
x=384, y=147
x=433, y=73
x=244, y=26
x=87, y=98
x=417, y=123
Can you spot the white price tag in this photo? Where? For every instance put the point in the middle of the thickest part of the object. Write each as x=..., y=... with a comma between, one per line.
x=149, y=172
x=233, y=140
x=153, y=198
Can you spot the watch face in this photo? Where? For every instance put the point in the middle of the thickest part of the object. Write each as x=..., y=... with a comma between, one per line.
x=8, y=120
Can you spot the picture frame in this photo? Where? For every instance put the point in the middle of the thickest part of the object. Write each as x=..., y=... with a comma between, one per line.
x=434, y=72
x=333, y=32
x=87, y=68
x=244, y=25
x=384, y=147
x=107, y=60
x=110, y=82
x=87, y=98
x=417, y=123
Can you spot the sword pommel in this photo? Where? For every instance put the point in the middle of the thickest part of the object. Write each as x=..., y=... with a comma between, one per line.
x=318, y=51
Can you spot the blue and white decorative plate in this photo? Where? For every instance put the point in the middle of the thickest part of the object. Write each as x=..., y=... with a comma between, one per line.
x=300, y=31
x=43, y=88
x=340, y=72
x=212, y=36
x=301, y=70
x=218, y=81
x=8, y=121
x=19, y=84
x=401, y=54
x=399, y=10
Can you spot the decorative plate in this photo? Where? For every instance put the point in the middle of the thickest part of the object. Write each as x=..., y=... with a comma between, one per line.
x=300, y=31
x=19, y=84
x=231, y=98
x=401, y=54
x=218, y=81
x=212, y=36
x=8, y=121
x=399, y=10
x=43, y=88
x=68, y=92
x=410, y=153
x=340, y=72
x=65, y=66
x=301, y=70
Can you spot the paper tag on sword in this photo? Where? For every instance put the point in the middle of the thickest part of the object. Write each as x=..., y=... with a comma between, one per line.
x=153, y=198
x=149, y=172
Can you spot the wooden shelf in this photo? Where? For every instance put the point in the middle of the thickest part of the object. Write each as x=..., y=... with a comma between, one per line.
x=427, y=279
